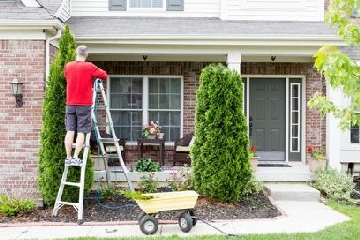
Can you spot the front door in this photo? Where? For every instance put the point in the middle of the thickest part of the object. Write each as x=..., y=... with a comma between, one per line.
x=267, y=117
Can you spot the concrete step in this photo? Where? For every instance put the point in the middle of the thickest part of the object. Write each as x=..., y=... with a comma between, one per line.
x=291, y=192
x=296, y=173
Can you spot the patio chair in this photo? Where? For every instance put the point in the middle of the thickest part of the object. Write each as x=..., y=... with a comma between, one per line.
x=182, y=149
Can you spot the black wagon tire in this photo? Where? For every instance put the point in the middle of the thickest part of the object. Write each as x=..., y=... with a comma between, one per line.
x=192, y=213
x=149, y=225
x=185, y=222
x=140, y=216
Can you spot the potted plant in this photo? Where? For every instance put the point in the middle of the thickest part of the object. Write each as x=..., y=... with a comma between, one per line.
x=254, y=159
x=151, y=130
x=316, y=159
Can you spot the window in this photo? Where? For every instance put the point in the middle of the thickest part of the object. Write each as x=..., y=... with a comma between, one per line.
x=168, y=5
x=134, y=101
x=146, y=3
x=295, y=117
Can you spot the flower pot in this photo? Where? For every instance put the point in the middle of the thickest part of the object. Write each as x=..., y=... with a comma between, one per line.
x=161, y=135
x=151, y=136
x=315, y=164
x=254, y=162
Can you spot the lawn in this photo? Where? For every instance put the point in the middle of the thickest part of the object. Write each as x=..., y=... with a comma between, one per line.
x=349, y=230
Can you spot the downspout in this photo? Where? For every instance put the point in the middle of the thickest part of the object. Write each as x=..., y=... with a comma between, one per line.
x=47, y=51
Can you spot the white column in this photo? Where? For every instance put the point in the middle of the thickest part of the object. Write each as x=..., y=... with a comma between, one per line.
x=234, y=61
x=333, y=132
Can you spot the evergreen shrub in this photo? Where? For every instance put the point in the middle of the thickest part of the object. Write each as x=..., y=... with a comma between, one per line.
x=221, y=169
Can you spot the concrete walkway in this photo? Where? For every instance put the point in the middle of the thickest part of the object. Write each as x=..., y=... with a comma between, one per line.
x=298, y=217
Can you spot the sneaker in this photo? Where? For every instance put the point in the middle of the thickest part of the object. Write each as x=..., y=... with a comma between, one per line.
x=68, y=161
x=76, y=161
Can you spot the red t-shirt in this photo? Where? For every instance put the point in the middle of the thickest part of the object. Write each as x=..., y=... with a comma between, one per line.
x=79, y=77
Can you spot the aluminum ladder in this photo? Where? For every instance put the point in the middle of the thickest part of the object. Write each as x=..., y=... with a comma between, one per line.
x=79, y=206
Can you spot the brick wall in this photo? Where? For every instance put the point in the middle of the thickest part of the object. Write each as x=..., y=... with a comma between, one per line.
x=191, y=72
x=20, y=127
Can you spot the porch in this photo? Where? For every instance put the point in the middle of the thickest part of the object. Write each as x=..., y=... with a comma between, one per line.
x=267, y=172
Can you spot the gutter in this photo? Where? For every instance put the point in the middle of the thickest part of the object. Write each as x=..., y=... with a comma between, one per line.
x=47, y=51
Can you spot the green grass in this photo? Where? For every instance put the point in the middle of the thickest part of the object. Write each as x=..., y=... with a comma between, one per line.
x=349, y=230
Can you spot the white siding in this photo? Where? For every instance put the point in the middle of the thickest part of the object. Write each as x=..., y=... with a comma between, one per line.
x=274, y=10
x=192, y=8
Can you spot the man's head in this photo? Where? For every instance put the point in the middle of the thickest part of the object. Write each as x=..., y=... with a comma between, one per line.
x=81, y=53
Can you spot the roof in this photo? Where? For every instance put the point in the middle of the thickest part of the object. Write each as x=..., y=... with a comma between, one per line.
x=51, y=5
x=16, y=10
x=102, y=26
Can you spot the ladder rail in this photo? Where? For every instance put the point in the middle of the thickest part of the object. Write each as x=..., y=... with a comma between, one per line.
x=112, y=130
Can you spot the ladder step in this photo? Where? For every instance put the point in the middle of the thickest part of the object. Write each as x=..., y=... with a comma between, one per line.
x=75, y=184
x=108, y=140
x=102, y=124
x=69, y=203
x=112, y=156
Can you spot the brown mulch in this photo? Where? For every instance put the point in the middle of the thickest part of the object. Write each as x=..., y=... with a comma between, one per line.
x=123, y=209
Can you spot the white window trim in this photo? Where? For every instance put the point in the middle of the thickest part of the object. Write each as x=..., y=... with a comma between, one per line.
x=146, y=99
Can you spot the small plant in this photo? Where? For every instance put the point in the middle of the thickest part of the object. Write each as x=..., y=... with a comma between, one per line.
x=135, y=195
x=146, y=165
x=252, y=151
x=11, y=206
x=109, y=193
x=180, y=180
x=151, y=129
x=316, y=152
x=333, y=184
x=148, y=184
x=253, y=186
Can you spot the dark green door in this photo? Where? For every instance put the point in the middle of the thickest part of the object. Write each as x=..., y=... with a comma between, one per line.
x=267, y=121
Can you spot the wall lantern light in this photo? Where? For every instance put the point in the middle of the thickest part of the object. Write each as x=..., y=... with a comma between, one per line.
x=16, y=88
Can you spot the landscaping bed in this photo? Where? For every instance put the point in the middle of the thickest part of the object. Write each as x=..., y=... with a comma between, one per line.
x=123, y=209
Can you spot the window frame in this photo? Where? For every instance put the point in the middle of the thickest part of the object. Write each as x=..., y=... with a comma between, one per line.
x=145, y=104
x=134, y=9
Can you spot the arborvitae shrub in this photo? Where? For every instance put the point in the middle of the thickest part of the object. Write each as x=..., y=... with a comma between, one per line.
x=221, y=169
x=52, y=151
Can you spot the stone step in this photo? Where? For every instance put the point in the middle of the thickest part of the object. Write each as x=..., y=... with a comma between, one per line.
x=291, y=192
x=295, y=173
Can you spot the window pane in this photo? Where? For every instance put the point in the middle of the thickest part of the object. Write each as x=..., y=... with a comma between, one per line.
x=294, y=144
x=146, y=3
x=354, y=134
x=169, y=123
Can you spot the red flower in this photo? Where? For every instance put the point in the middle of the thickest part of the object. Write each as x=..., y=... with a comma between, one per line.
x=310, y=149
x=252, y=148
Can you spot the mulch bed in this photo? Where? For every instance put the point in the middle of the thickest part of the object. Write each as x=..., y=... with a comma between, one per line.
x=123, y=209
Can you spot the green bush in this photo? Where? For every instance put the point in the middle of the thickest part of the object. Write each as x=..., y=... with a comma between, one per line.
x=12, y=206
x=221, y=169
x=253, y=186
x=148, y=184
x=180, y=180
x=52, y=152
x=146, y=165
x=333, y=184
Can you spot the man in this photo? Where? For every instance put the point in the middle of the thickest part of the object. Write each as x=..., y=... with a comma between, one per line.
x=79, y=76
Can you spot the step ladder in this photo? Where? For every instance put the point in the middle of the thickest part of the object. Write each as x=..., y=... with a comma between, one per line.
x=98, y=86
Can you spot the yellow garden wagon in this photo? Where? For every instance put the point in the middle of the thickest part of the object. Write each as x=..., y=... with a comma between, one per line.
x=167, y=201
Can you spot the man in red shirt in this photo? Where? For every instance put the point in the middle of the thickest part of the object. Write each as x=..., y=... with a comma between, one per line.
x=79, y=76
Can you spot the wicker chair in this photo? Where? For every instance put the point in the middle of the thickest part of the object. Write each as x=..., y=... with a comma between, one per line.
x=182, y=150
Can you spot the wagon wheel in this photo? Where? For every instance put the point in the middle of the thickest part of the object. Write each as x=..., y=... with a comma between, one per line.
x=140, y=216
x=148, y=225
x=192, y=213
x=185, y=222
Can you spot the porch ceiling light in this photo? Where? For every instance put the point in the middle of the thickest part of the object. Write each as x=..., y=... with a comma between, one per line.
x=16, y=88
